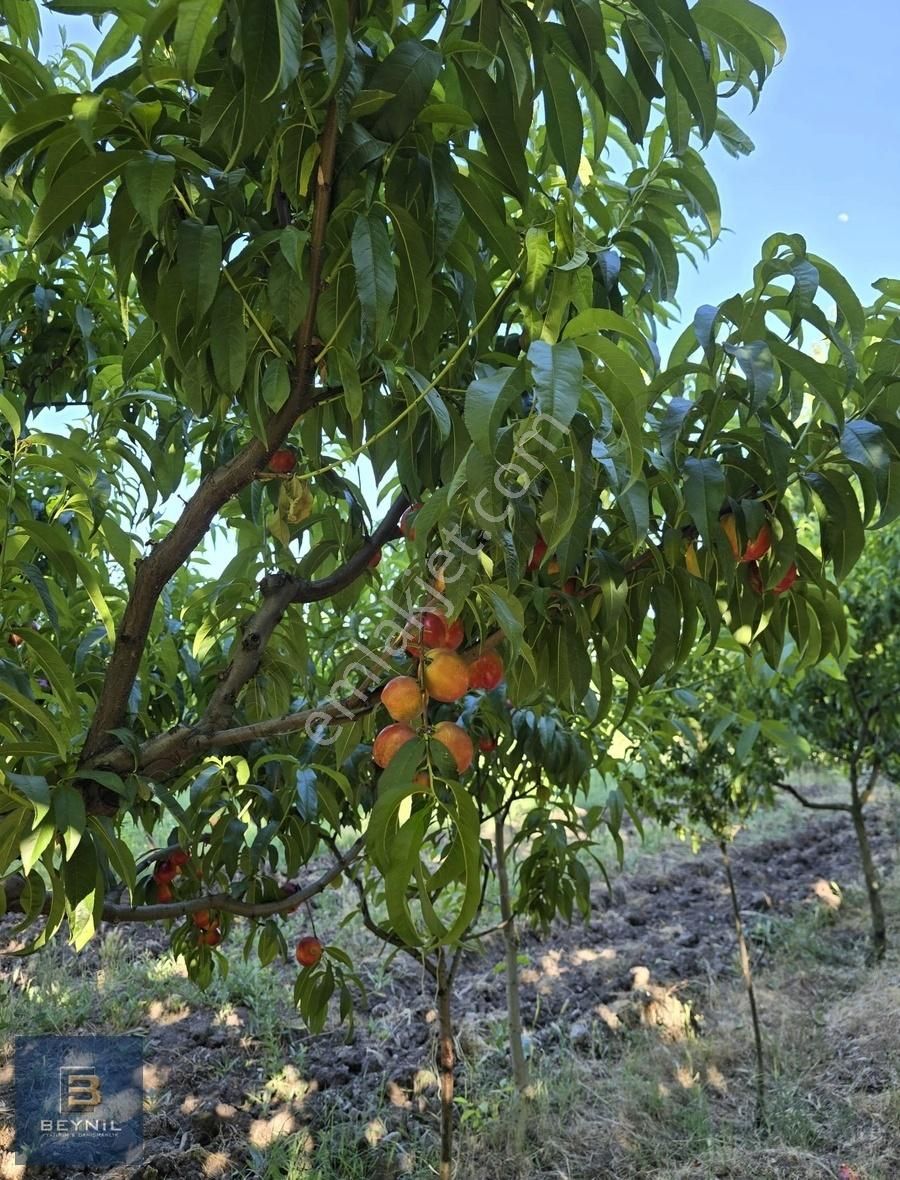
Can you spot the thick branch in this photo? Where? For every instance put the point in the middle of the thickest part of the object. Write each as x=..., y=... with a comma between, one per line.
x=221, y=902
x=279, y=591
x=172, y=552
x=813, y=806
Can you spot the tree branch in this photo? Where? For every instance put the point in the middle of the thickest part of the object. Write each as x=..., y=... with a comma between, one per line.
x=221, y=902
x=813, y=806
x=279, y=591
x=153, y=573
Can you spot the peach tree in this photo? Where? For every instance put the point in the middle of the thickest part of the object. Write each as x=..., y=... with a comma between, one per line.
x=268, y=266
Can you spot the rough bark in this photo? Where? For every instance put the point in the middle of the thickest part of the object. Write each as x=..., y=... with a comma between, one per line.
x=870, y=872
x=446, y=1063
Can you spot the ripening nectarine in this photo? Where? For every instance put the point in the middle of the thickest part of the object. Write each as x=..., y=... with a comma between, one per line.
x=486, y=671
x=389, y=740
x=210, y=937
x=788, y=580
x=458, y=742
x=309, y=951
x=537, y=554
x=446, y=675
x=425, y=629
x=487, y=745
x=283, y=461
x=165, y=871
x=403, y=698
x=755, y=549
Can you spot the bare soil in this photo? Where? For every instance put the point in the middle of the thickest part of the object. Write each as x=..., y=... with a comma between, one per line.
x=666, y=930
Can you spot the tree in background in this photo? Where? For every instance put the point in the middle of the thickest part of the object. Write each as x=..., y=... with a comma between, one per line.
x=848, y=714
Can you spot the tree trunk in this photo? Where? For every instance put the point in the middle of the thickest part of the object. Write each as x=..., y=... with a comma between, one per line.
x=511, y=945
x=747, y=973
x=447, y=1060
x=873, y=888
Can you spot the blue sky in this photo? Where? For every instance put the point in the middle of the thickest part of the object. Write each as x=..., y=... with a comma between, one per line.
x=827, y=131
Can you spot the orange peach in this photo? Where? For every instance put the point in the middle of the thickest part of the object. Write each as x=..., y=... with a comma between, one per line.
x=403, y=698
x=446, y=674
x=486, y=671
x=389, y=740
x=458, y=742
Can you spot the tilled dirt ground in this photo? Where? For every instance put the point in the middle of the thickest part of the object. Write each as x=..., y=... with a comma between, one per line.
x=654, y=944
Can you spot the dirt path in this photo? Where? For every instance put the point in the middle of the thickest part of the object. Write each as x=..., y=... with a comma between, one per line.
x=668, y=922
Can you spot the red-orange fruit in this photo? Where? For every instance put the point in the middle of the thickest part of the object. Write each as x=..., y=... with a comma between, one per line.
x=210, y=937
x=403, y=698
x=165, y=871
x=374, y=559
x=283, y=461
x=755, y=549
x=179, y=857
x=446, y=674
x=203, y=919
x=486, y=671
x=570, y=586
x=788, y=580
x=309, y=951
x=487, y=745
x=164, y=891
x=421, y=779
x=426, y=629
x=454, y=634
x=389, y=740
x=537, y=554
x=458, y=742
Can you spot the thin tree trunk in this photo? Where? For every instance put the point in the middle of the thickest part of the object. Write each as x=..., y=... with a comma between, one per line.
x=447, y=1061
x=873, y=888
x=747, y=973
x=511, y=945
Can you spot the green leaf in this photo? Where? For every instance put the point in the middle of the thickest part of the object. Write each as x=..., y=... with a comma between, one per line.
x=376, y=279
x=865, y=445
x=72, y=192
x=704, y=493
x=18, y=130
x=487, y=401
x=141, y=350
x=69, y=816
x=228, y=344
x=558, y=373
x=508, y=612
x=415, y=265
x=199, y=260
x=408, y=73
x=32, y=846
x=192, y=29
x=489, y=222
x=565, y=123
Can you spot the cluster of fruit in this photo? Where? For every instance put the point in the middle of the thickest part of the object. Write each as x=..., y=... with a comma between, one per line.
x=443, y=675
x=755, y=549
x=167, y=869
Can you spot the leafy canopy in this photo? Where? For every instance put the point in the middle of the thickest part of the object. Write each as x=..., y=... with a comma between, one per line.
x=428, y=248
